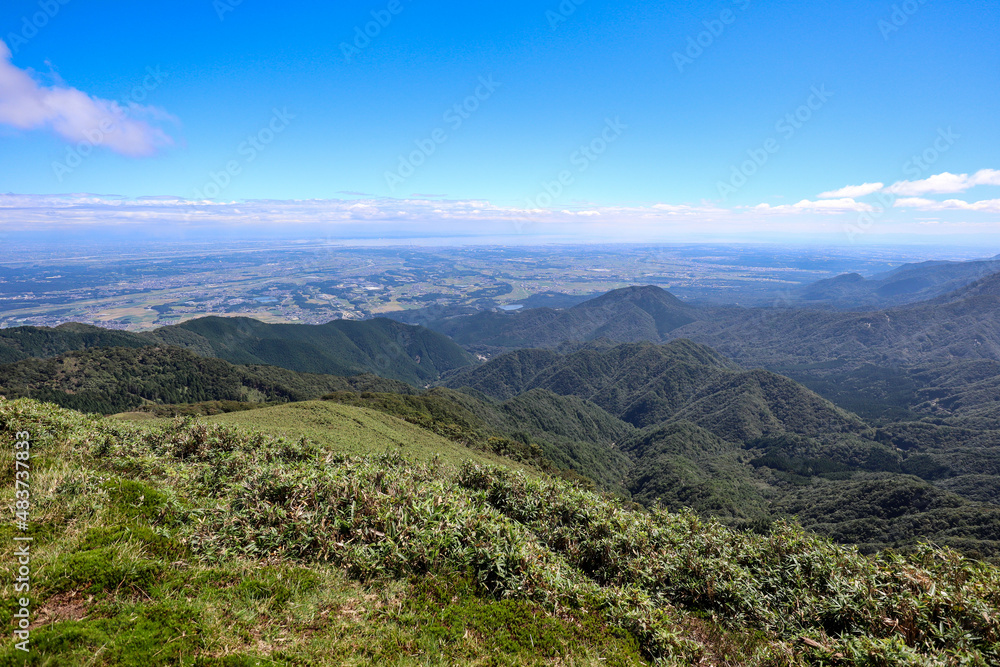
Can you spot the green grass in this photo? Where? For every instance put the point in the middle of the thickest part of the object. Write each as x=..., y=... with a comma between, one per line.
x=350, y=430
x=195, y=543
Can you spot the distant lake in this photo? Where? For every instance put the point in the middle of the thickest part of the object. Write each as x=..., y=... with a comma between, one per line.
x=510, y=308
x=266, y=299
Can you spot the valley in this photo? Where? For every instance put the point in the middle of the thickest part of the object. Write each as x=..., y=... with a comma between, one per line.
x=591, y=436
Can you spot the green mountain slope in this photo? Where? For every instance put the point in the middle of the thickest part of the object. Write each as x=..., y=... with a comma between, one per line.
x=629, y=314
x=681, y=465
x=351, y=431
x=562, y=435
x=24, y=342
x=109, y=380
x=380, y=346
x=646, y=384
x=197, y=544
x=747, y=446
x=906, y=284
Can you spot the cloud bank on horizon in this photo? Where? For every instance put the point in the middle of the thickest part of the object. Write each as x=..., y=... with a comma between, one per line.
x=849, y=211
x=76, y=116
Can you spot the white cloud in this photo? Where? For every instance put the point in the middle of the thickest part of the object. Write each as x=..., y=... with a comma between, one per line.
x=842, y=205
x=945, y=183
x=377, y=217
x=987, y=205
x=914, y=202
x=853, y=191
x=75, y=115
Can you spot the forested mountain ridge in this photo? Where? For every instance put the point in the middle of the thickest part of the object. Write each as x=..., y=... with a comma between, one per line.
x=382, y=347
x=963, y=324
x=750, y=446
x=25, y=342
x=881, y=363
x=108, y=380
x=909, y=283
x=646, y=384
x=342, y=347
x=623, y=315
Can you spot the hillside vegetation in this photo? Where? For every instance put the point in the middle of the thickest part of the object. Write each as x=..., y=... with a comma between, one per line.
x=109, y=380
x=42, y=342
x=886, y=362
x=380, y=347
x=629, y=314
x=750, y=447
x=903, y=285
x=197, y=544
x=342, y=347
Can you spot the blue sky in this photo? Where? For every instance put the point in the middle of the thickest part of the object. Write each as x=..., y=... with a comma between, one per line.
x=666, y=118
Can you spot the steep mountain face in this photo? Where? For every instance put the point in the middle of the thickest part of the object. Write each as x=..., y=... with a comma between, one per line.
x=624, y=315
x=380, y=346
x=906, y=284
x=108, y=380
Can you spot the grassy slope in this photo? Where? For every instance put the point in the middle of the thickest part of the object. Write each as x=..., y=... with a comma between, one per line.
x=353, y=431
x=197, y=544
x=116, y=581
x=561, y=435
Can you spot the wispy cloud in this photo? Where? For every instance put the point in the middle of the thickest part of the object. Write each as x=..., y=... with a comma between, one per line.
x=371, y=217
x=987, y=205
x=842, y=205
x=74, y=115
x=853, y=191
x=945, y=183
